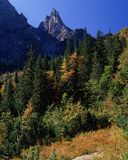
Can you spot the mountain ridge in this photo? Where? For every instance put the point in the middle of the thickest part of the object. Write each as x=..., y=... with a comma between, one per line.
x=17, y=35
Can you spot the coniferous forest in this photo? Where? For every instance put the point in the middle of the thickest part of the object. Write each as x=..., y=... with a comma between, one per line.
x=53, y=100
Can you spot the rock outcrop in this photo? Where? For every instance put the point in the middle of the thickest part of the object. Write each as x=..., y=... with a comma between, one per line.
x=55, y=26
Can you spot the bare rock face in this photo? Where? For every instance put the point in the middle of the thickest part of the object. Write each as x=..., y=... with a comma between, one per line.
x=55, y=26
x=56, y=34
x=53, y=34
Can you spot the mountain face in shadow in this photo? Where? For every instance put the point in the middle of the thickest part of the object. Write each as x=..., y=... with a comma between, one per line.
x=16, y=35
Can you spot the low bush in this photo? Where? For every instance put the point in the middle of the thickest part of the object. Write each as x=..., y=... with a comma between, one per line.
x=122, y=122
x=65, y=122
x=125, y=156
x=33, y=153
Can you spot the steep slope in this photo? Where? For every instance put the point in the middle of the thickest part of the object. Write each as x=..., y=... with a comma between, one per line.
x=110, y=143
x=16, y=35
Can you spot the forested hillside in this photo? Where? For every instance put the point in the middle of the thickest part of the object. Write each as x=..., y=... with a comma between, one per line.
x=51, y=100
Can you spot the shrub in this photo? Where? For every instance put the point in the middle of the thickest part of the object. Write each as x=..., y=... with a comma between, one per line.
x=65, y=122
x=75, y=117
x=125, y=156
x=31, y=154
x=103, y=121
x=53, y=156
x=122, y=122
x=54, y=124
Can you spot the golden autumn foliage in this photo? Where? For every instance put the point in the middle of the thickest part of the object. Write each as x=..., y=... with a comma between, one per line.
x=28, y=110
x=69, y=73
x=50, y=74
x=124, y=33
x=2, y=87
x=14, y=85
x=123, y=59
x=64, y=71
x=73, y=60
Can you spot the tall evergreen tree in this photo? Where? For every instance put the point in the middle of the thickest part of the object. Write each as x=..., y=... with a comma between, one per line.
x=7, y=104
x=40, y=98
x=86, y=50
x=100, y=53
x=70, y=47
x=24, y=88
x=114, y=47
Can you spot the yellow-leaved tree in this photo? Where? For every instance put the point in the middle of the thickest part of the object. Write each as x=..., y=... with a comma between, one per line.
x=64, y=71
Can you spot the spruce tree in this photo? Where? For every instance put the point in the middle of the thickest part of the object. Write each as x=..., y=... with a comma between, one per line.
x=100, y=53
x=70, y=47
x=86, y=51
x=40, y=97
x=24, y=88
x=8, y=98
x=113, y=47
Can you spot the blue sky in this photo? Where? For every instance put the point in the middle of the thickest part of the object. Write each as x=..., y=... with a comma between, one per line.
x=92, y=14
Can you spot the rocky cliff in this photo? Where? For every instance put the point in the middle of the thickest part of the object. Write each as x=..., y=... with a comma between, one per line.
x=16, y=35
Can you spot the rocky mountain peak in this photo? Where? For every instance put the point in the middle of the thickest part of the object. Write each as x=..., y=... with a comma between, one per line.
x=55, y=26
x=16, y=35
x=54, y=12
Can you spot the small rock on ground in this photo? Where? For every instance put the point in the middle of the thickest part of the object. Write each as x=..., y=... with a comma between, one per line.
x=89, y=157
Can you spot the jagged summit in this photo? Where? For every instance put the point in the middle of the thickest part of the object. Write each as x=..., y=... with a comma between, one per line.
x=54, y=12
x=55, y=26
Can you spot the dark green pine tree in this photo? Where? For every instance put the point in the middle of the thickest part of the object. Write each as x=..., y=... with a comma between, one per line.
x=86, y=50
x=70, y=47
x=100, y=53
x=45, y=66
x=40, y=97
x=57, y=65
x=7, y=103
x=24, y=88
x=95, y=65
x=114, y=47
x=15, y=77
x=52, y=65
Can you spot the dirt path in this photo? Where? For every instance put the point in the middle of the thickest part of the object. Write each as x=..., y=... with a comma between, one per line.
x=89, y=156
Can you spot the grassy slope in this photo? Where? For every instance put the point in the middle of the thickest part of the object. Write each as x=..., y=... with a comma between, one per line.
x=111, y=142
